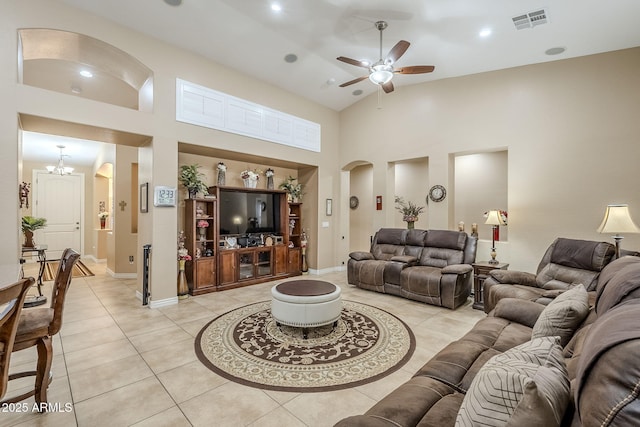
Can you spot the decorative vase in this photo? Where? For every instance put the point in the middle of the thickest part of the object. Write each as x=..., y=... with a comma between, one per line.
x=269, y=183
x=28, y=239
x=250, y=183
x=103, y=223
x=410, y=225
x=183, y=289
x=192, y=193
x=222, y=177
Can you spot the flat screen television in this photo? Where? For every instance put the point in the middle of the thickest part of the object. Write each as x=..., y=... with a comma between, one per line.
x=249, y=212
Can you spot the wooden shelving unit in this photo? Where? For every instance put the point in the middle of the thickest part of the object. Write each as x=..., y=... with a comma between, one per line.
x=201, y=272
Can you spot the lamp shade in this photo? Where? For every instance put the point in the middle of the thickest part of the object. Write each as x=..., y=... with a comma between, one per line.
x=618, y=220
x=381, y=74
x=494, y=218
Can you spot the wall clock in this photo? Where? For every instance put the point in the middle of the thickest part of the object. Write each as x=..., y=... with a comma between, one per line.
x=164, y=196
x=353, y=202
x=437, y=193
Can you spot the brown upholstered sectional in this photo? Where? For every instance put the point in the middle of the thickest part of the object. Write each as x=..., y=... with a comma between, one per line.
x=432, y=266
x=602, y=360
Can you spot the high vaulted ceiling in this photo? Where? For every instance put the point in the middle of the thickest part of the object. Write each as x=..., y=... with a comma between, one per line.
x=246, y=35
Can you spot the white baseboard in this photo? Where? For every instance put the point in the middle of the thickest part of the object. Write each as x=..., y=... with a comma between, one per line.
x=328, y=270
x=94, y=259
x=121, y=275
x=159, y=303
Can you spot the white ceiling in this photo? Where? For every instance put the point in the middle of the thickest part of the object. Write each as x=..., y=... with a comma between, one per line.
x=247, y=36
x=42, y=148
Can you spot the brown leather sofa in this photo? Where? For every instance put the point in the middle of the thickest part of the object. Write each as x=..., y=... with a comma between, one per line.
x=565, y=263
x=602, y=361
x=432, y=266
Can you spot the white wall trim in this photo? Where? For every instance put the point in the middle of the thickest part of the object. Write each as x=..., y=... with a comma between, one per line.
x=328, y=270
x=160, y=303
x=122, y=275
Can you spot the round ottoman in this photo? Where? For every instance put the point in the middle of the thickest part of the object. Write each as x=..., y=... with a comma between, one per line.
x=306, y=303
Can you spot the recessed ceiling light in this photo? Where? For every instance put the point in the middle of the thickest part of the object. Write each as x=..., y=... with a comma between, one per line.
x=331, y=81
x=276, y=7
x=555, y=50
x=76, y=89
x=173, y=2
x=357, y=92
x=86, y=73
x=485, y=32
x=290, y=58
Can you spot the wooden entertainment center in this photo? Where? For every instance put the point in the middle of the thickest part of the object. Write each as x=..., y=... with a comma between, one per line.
x=257, y=238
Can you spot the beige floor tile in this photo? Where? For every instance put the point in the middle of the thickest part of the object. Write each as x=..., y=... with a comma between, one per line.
x=172, y=417
x=326, y=409
x=158, y=338
x=229, y=405
x=171, y=355
x=279, y=417
x=193, y=328
x=95, y=356
x=71, y=328
x=187, y=311
x=92, y=338
x=124, y=406
x=380, y=388
x=190, y=380
x=107, y=377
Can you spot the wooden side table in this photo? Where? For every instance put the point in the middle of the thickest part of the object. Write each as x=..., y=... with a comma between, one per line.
x=480, y=273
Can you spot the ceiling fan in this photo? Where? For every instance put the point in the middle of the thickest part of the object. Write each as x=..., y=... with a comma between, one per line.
x=382, y=71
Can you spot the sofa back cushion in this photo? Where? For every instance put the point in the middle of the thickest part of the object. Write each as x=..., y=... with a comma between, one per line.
x=608, y=373
x=618, y=282
x=443, y=247
x=388, y=242
x=414, y=242
x=572, y=261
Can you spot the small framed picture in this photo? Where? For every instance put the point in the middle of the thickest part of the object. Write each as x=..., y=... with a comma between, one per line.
x=329, y=207
x=144, y=197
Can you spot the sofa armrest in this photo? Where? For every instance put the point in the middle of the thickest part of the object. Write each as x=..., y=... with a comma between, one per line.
x=457, y=269
x=405, y=259
x=518, y=310
x=361, y=255
x=514, y=277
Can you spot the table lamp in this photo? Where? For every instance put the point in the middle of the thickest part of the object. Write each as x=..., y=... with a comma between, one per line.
x=618, y=220
x=495, y=219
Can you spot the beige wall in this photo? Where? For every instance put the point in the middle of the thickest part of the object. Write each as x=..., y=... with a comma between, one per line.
x=361, y=218
x=159, y=161
x=570, y=127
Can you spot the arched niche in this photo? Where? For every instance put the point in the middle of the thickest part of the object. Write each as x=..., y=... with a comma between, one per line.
x=79, y=65
x=360, y=183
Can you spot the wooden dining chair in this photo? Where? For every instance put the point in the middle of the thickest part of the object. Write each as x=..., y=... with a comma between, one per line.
x=38, y=325
x=11, y=302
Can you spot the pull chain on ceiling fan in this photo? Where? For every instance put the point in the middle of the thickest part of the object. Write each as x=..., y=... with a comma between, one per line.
x=382, y=71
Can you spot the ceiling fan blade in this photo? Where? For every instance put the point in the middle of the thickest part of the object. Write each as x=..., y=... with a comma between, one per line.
x=397, y=51
x=415, y=69
x=353, y=62
x=387, y=87
x=350, y=82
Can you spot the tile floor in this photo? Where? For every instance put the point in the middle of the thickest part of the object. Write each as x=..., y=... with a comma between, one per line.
x=117, y=363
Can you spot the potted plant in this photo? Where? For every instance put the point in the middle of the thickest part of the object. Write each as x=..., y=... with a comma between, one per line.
x=409, y=210
x=293, y=189
x=29, y=225
x=193, y=180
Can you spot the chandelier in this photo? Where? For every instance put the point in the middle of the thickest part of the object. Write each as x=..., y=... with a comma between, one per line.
x=60, y=169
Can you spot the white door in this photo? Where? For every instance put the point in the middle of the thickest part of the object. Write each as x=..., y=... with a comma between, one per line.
x=59, y=199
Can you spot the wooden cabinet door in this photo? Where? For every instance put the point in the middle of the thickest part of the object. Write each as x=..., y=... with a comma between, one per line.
x=227, y=266
x=281, y=256
x=294, y=260
x=205, y=273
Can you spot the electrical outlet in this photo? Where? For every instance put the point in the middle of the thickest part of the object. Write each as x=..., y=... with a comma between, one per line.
x=131, y=259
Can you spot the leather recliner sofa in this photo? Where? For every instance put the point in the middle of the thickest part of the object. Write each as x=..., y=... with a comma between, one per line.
x=565, y=263
x=601, y=357
x=431, y=266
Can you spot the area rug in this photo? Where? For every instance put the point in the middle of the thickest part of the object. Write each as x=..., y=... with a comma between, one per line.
x=246, y=346
x=51, y=269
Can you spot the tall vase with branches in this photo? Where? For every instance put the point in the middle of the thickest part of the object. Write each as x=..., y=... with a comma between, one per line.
x=409, y=210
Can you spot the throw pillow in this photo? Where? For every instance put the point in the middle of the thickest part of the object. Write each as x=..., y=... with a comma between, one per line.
x=526, y=385
x=563, y=315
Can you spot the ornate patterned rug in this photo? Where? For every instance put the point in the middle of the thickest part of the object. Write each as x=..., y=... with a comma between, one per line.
x=246, y=346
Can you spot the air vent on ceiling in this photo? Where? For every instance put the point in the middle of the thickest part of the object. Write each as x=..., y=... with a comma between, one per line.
x=531, y=19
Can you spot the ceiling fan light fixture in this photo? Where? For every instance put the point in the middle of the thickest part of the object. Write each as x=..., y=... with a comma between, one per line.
x=381, y=74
